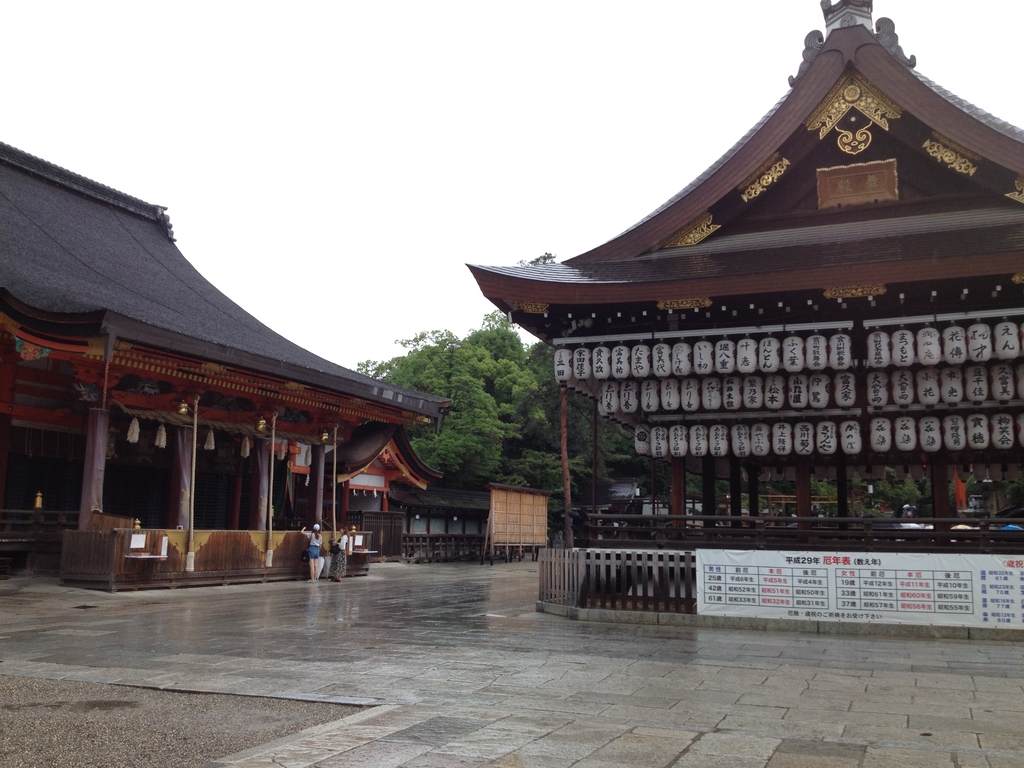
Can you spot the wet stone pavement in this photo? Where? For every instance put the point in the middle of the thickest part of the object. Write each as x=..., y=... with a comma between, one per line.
x=455, y=668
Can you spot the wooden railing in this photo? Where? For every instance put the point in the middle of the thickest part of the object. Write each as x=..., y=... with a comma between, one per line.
x=442, y=546
x=24, y=528
x=677, y=532
x=618, y=579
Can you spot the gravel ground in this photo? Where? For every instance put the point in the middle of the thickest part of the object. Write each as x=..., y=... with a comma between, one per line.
x=51, y=723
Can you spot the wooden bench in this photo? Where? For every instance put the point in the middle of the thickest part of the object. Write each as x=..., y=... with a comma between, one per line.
x=5, y=567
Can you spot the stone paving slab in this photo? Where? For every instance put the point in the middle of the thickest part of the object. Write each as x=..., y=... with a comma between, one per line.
x=458, y=669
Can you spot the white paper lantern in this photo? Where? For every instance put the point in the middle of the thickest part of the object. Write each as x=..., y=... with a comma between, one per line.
x=880, y=435
x=620, y=362
x=782, y=439
x=803, y=438
x=703, y=358
x=928, y=390
x=929, y=346
x=581, y=364
x=952, y=382
x=877, y=383
x=844, y=390
x=954, y=345
x=659, y=442
x=902, y=383
x=903, y=348
x=826, y=438
x=698, y=440
x=661, y=360
x=640, y=361
x=797, y=389
x=768, y=359
x=816, y=352
x=711, y=393
x=979, y=343
x=978, y=436
x=732, y=393
x=904, y=434
x=725, y=356
x=775, y=392
x=689, y=395
x=609, y=397
x=746, y=355
x=718, y=440
x=760, y=439
x=976, y=383
x=629, y=396
x=929, y=434
x=840, y=349
x=879, y=352
x=649, y=401
x=740, y=436
x=793, y=354
x=1003, y=430
x=642, y=440
x=1006, y=340
x=849, y=437
x=753, y=392
x=954, y=434
x=601, y=359
x=670, y=394
x=1001, y=379
x=818, y=385
x=563, y=365
x=682, y=359
x=678, y=441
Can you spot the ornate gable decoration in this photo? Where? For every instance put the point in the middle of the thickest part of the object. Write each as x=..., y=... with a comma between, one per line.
x=770, y=172
x=1019, y=194
x=951, y=154
x=694, y=232
x=853, y=92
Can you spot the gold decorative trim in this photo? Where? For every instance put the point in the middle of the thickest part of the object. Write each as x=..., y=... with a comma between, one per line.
x=853, y=92
x=1019, y=194
x=1018, y=278
x=696, y=303
x=529, y=307
x=693, y=233
x=763, y=178
x=854, y=291
x=950, y=153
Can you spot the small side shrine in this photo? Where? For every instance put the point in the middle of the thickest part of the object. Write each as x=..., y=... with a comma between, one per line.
x=842, y=292
x=134, y=388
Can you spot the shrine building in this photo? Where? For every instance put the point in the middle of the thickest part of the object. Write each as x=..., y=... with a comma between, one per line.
x=842, y=292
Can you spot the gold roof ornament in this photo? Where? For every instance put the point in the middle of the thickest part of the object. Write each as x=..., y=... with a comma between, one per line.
x=853, y=92
x=693, y=233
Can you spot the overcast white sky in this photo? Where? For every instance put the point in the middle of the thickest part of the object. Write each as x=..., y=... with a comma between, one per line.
x=332, y=166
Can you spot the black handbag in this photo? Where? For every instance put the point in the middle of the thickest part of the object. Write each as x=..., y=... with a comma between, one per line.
x=305, y=554
x=335, y=548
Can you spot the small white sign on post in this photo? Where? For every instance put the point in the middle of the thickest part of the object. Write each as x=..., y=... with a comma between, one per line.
x=896, y=588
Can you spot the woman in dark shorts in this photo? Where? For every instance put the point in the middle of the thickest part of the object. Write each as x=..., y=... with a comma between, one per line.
x=315, y=542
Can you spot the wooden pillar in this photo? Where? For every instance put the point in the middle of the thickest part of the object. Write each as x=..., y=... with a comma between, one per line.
x=385, y=503
x=566, y=488
x=678, y=502
x=842, y=487
x=8, y=372
x=803, y=492
x=707, y=485
x=735, y=489
x=178, y=493
x=940, y=489
x=315, y=489
x=753, y=490
x=96, y=426
x=259, y=458
x=5, y=454
x=593, y=460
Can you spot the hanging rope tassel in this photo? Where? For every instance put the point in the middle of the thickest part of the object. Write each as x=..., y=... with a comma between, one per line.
x=161, y=437
x=282, y=450
x=133, y=431
x=210, y=444
x=245, y=447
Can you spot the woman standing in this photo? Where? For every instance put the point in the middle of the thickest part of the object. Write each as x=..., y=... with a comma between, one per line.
x=315, y=542
x=339, y=557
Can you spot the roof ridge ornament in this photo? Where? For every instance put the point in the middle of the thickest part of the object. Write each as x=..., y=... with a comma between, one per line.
x=846, y=13
x=886, y=35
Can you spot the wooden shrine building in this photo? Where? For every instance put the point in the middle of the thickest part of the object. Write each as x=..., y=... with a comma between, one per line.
x=132, y=387
x=841, y=292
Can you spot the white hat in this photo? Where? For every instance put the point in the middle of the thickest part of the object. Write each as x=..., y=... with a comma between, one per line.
x=316, y=527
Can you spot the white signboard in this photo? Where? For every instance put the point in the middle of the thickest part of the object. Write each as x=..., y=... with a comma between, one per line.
x=898, y=588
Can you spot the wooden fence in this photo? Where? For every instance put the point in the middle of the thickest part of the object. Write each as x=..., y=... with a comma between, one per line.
x=442, y=546
x=619, y=579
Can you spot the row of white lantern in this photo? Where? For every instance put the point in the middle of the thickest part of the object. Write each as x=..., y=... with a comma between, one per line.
x=769, y=355
x=978, y=343
x=930, y=433
x=732, y=393
x=930, y=386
